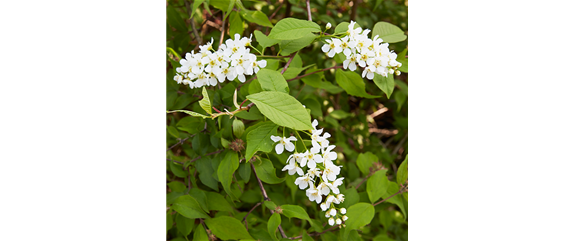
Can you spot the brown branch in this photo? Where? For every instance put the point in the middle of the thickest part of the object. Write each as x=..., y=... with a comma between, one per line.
x=253, y=208
x=222, y=29
x=277, y=10
x=265, y=197
x=174, y=161
x=401, y=142
x=181, y=141
x=289, y=62
x=309, y=11
x=400, y=191
x=354, y=10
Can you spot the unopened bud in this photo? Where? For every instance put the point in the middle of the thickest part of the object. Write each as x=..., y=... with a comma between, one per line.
x=338, y=221
x=331, y=221
x=328, y=26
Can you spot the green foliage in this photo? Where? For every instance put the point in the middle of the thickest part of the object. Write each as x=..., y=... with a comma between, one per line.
x=209, y=181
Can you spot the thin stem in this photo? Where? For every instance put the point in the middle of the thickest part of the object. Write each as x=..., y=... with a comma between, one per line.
x=379, y=202
x=401, y=142
x=181, y=141
x=288, y=62
x=265, y=197
x=309, y=11
x=174, y=161
x=253, y=208
x=255, y=49
x=222, y=28
x=316, y=233
x=301, y=139
x=197, y=158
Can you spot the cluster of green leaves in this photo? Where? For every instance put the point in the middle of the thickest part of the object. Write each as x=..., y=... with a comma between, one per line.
x=210, y=180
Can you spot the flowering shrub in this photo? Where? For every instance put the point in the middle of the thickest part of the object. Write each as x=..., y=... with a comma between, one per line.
x=276, y=136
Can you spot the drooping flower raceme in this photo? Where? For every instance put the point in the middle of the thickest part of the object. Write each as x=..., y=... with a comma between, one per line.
x=372, y=55
x=207, y=67
x=321, y=177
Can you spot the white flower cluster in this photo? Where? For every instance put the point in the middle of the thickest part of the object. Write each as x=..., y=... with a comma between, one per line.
x=321, y=176
x=371, y=54
x=232, y=60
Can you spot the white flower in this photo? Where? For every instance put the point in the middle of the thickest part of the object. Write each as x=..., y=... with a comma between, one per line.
x=331, y=171
x=331, y=221
x=178, y=78
x=332, y=47
x=304, y=181
x=328, y=154
x=292, y=168
x=343, y=210
x=345, y=217
x=328, y=26
x=314, y=194
x=323, y=188
x=284, y=143
x=350, y=62
x=311, y=158
x=335, y=185
x=326, y=214
x=369, y=72
x=338, y=221
x=313, y=172
x=330, y=200
x=341, y=197
x=346, y=46
x=324, y=207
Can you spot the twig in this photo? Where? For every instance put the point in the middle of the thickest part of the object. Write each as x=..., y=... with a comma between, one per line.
x=277, y=10
x=309, y=11
x=174, y=161
x=401, y=142
x=265, y=197
x=354, y=9
x=253, y=208
x=400, y=191
x=289, y=62
x=222, y=29
x=181, y=141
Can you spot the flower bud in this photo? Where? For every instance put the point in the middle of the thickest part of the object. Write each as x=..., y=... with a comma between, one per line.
x=324, y=206
x=331, y=221
x=345, y=217
x=343, y=210
x=327, y=215
x=333, y=212
x=328, y=26
x=338, y=221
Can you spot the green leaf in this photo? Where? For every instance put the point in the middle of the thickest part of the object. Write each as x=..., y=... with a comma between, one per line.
x=388, y=32
x=403, y=172
x=175, y=20
x=263, y=40
x=169, y=219
x=200, y=234
x=228, y=165
x=315, y=80
x=256, y=17
x=377, y=185
x=196, y=4
x=273, y=224
x=254, y=87
x=351, y=197
x=386, y=84
x=184, y=225
x=271, y=205
x=295, y=211
x=220, y=4
x=177, y=170
x=259, y=139
x=206, y=171
x=173, y=131
x=399, y=199
x=176, y=186
x=339, y=114
x=245, y=171
x=365, y=161
x=400, y=96
x=190, y=113
x=200, y=197
x=225, y=228
x=359, y=215
x=306, y=237
x=272, y=81
x=238, y=128
x=205, y=103
x=282, y=109
x=235, y=24
x=266, y=172
x=401, y=57
x=187, y=206
x=290, y=46
x=352, y=83
x=292, y=28
x=217, y=202
x=183, y=101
